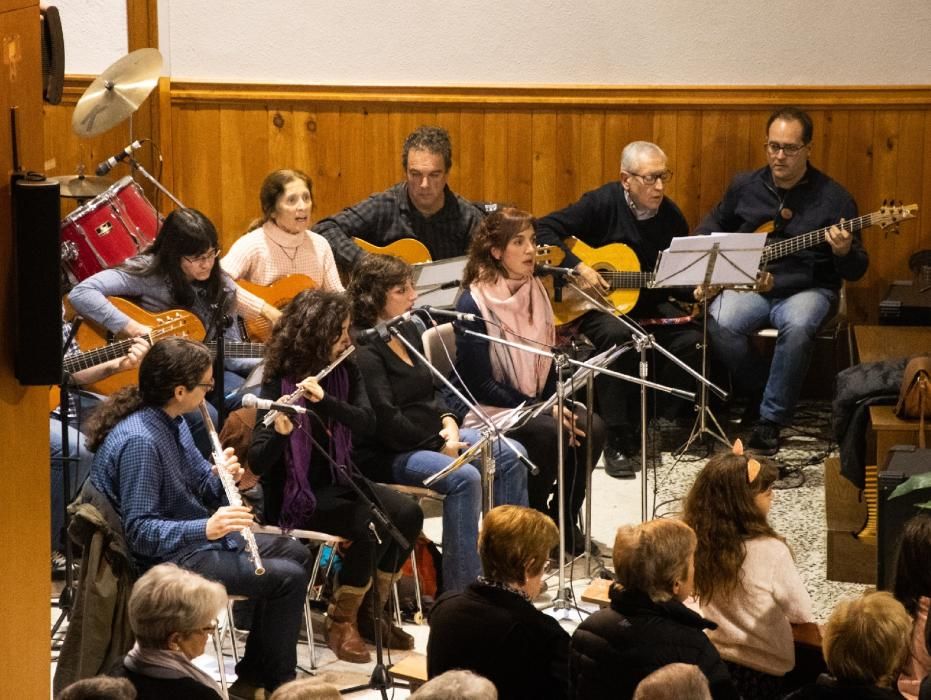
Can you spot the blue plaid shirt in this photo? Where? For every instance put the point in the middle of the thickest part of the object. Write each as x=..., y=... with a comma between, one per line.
x=161, y=486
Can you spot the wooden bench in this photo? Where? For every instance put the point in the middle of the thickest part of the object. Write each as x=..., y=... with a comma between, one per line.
x=888, y=430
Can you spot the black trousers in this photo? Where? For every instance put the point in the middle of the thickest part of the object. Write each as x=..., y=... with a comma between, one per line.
x=616, y=400
x=340, y=512
x=539, y=437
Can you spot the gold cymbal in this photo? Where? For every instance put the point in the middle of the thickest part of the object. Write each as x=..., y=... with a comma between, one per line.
x=117, y=92
x=81, y=186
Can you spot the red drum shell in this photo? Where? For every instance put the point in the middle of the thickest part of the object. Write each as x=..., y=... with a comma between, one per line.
x=113, y=226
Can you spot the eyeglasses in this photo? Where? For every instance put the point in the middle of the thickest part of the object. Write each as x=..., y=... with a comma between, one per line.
x=790, y=149
x=210, y=629
x=207, y=257
x=651, y=178
x=207, y=385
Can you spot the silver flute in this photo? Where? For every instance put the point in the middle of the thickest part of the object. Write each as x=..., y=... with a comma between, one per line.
x=229, y=487
x=296, y=394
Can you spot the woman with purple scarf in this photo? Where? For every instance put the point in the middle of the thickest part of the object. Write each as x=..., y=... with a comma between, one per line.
x=302, y=487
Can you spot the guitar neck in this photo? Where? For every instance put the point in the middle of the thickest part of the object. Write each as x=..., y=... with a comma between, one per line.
x=813, y=238
x=627, y=280
x=236, y=349
x=92, y=358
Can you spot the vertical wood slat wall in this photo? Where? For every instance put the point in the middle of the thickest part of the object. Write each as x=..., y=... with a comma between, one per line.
x=539, y=148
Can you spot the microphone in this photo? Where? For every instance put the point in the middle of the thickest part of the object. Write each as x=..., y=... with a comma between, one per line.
x=552, y=270
x=110, y=163
x=380, y=330
x=458, y=315
x=253, y=401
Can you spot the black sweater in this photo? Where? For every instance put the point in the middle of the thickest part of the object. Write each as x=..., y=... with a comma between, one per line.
x=408, y=408
x=616, y=648
x=266, y=453
x=603, y=216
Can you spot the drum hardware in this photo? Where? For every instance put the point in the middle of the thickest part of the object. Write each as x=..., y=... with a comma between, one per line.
x=81, y=186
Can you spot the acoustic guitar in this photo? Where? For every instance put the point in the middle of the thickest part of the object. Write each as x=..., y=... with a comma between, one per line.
x=97, y=347
x=410, y=250
x=616, y=262
x=277, y=294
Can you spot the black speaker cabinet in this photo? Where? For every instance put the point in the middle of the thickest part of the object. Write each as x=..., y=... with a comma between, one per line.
x=37, y=310
x=53, y=56
x=903, y=462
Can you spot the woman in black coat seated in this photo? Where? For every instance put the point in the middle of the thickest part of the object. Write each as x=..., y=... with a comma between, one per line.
x=172, y=612
x=646, y=625
x=492, y=627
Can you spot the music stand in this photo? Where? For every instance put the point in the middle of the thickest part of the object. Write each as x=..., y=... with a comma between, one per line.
x=721, y=260
x=437, y=283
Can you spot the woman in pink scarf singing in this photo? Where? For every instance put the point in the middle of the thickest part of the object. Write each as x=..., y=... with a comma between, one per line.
x=502, y=290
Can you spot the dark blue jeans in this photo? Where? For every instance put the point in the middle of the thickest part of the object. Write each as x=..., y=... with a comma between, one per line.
x=271, y=650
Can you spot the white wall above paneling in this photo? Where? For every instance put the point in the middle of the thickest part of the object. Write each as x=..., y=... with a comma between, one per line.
x=428, y=42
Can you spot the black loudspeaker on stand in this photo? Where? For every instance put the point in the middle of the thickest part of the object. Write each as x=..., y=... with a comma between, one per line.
x=904, y=461
x=37, y=293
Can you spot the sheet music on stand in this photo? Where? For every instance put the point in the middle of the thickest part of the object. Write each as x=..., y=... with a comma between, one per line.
x=726, y=259
x=432, y=280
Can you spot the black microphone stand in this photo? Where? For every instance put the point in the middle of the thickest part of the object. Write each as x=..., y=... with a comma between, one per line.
x=66, y=597
x=380, y=679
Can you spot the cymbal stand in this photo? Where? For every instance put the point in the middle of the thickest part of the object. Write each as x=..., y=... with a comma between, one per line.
x=161, y=188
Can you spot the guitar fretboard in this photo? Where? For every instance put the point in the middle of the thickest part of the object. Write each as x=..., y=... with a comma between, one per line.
x=233, y=348
x=813, y=238
x=627, y=280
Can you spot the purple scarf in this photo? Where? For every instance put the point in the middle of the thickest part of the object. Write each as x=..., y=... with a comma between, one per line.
x=299, y=500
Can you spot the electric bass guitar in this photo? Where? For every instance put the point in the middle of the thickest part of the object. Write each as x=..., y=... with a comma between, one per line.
x=410, y=250
x=277, y=294
x=97, y=346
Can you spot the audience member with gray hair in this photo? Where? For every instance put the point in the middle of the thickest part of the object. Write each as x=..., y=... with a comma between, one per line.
x=317, y=688
x=457, y=685
x=172, y=612
x=99, y=688
x=674, y=682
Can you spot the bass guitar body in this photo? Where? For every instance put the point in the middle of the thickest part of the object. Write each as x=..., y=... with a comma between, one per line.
x=410, y=250
x=277, y=294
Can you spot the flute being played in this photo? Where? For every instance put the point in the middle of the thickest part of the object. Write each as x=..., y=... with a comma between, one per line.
x=296, y=394
x=229, y=487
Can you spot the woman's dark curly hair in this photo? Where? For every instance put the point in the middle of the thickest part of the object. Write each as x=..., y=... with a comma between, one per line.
x=170, y=363
x=913, y=565
x=304, y=335
x=495, y=231
x=720, y=508
x=185, y=232
x=373, y=277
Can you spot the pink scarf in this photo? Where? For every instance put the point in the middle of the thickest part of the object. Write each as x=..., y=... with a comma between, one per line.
x=523, y=309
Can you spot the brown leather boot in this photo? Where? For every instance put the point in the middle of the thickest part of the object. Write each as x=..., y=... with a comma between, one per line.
x=392, y=636
x=342, y=633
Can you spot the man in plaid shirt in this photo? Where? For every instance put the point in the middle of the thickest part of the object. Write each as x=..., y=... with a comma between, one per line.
x=422, y=207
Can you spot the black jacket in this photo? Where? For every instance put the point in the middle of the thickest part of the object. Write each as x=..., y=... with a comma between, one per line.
x=616, y=648
x=815, y=202
x=827, y=688
x=501, y=636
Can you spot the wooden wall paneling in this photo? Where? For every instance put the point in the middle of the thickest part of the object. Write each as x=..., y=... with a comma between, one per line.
x=495, y=166
x=642, y=127
x=280, y=129
x=909, y=174
x=520, y=158
x=592, y=150
x=734, y=158
x=861, y=299
x=688, y=162
x=165, y=170
x=243, y=161
x=326, y=171
x=616, y=130
x=568, y=161
x=196, y=139
x=142, y=32
x=544, y=125
x=885, y=151
x=380, y=165
x=923, y=224
x=712, y=173
x=451, y=120
x=832, y=132
x=352, y=188
x=469, y=153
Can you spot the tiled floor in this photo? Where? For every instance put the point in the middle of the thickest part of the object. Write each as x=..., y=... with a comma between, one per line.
x=798, y=514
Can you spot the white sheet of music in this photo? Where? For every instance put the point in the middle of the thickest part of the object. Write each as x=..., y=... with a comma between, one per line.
x=685, y=262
